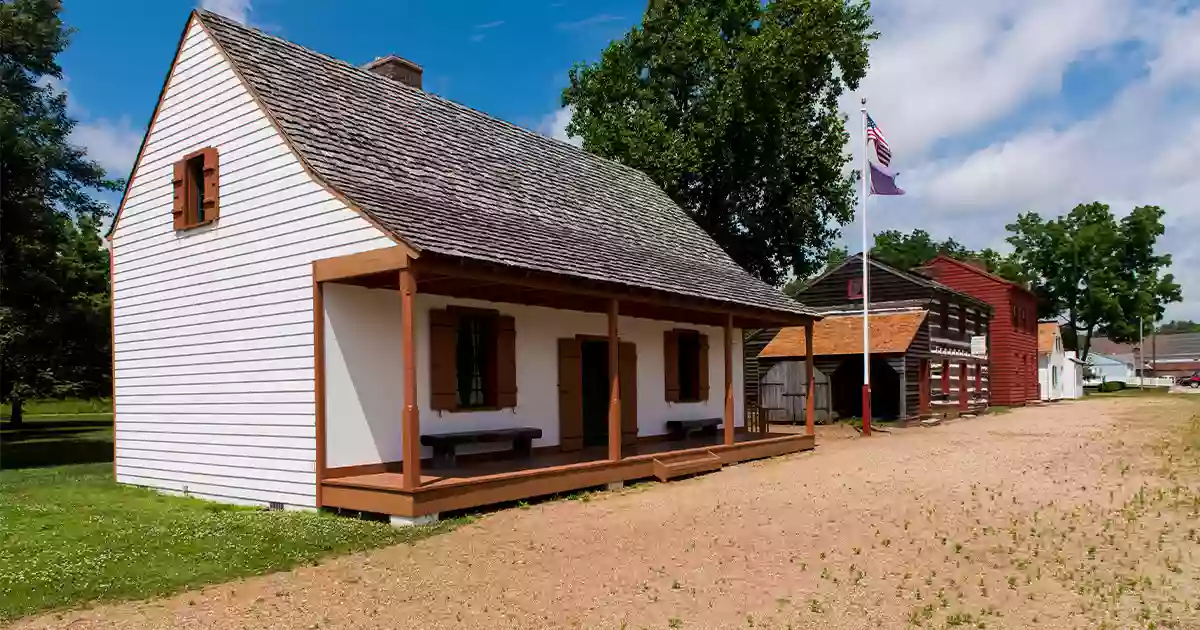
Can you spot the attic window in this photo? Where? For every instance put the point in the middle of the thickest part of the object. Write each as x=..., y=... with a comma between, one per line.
x=854, y=289
x=196, y=184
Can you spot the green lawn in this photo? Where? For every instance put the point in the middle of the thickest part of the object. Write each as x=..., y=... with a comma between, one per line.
x=70, y=535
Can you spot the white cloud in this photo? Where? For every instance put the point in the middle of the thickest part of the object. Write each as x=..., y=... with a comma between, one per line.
x=945, y=68
x=238, y=10
x=555, y=124
x=113, y=144
x=948, y=74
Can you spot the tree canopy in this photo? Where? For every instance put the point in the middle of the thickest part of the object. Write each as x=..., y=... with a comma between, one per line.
x=1100, y=274
x=907, y=251
x=54, y=304
x=731, y=106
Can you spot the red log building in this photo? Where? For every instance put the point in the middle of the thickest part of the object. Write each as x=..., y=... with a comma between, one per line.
x=1012, y=331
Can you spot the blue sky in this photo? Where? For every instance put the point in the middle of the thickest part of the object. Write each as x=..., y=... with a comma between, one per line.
x=991, y=108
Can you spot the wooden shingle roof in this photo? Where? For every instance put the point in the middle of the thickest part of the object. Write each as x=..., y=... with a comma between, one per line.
x=842, y=334
x=1046, y=332
x=450, y=180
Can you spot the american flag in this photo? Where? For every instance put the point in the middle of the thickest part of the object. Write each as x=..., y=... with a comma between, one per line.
x=875, y=134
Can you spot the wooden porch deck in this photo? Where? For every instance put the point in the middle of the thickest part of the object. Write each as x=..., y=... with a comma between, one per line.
x=497, y=481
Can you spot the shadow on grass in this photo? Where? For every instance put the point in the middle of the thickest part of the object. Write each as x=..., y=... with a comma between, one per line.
x=38, y=443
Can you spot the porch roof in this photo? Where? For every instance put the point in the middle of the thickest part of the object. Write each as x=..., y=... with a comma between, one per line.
x=449, y=180
x=842, y=334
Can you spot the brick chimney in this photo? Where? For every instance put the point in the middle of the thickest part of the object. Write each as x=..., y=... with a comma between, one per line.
x=397, y=69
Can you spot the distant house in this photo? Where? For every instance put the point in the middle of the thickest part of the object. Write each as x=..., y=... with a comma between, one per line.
x=1012, y=337
x=1163, y=355
x=1102, y=368
x=334, y=289
x=1051, y=361
x=928, y=342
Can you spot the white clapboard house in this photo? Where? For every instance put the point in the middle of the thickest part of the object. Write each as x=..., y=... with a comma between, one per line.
x=333, y=289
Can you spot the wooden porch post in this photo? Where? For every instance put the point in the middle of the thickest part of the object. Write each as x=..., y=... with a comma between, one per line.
x=729, y=428
x=923, y=384
x=962, y=386
x=614, y=388
x=410, y=421
x=810, y=405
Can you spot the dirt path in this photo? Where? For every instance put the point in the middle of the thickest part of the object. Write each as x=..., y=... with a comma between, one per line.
x=1051, y=517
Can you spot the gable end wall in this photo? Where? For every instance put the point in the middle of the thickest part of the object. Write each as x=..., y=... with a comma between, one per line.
x=213, y=327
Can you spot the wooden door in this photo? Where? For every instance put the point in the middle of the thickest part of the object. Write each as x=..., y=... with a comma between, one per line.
x=570, y=395
x=627, y=363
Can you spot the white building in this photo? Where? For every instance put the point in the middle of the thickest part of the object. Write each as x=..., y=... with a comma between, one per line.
x=1051, y=361
x=323, y=275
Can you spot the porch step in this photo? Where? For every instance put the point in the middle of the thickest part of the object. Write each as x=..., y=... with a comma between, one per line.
x=669, y=468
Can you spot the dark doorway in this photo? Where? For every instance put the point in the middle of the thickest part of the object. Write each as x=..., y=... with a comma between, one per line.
x=594, y=368
x=847, y=389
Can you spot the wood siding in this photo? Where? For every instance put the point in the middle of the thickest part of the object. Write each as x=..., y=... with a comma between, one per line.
x=213, y=327
x=1012, y=352
x=833, y=289
x=752, y=369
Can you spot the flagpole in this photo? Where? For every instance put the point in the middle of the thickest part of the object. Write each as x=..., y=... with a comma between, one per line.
x=866, y=287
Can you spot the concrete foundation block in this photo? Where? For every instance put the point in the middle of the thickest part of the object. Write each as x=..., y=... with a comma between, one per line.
x=616, y=485
x=410, y=521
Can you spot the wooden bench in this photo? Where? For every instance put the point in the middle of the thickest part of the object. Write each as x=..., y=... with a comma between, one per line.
x=445, y=444
x=683, y=429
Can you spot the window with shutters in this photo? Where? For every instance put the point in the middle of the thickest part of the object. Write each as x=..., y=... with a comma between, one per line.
x=475, y=367
x=685, y=363
x=473, y=364
x=196, y=184
x=689, y=366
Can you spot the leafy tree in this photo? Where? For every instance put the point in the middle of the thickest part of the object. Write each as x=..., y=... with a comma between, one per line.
x=731, y=106
x=53, y=273
x=1179, y=326
x=907, y=251
x=1100, y=274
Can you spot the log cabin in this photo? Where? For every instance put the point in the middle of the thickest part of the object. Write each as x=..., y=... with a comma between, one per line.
x=928, y=343
x=333, y=289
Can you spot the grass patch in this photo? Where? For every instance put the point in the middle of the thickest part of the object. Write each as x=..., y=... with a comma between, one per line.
x=70, y=535
x=55, y=407
x=56, y=440
x=1132, y=391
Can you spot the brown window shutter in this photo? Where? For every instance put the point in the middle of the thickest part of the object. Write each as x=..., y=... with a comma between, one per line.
x=212, y=185
x=702, y=375
x=178, y=210
x=627, y=364
x=443, y=339
x=570, y=396
x=506, y=362
x=671, y=364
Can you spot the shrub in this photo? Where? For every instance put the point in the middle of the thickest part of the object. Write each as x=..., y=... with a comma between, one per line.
x=1112, y=386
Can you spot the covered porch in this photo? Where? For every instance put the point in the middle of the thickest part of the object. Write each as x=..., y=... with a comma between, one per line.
x=589, y=375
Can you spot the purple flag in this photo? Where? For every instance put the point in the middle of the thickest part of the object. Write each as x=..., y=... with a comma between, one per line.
x=883, y=182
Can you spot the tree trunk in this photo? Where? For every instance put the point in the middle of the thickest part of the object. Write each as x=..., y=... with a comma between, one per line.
x=17, y=412
x=1087, y=343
